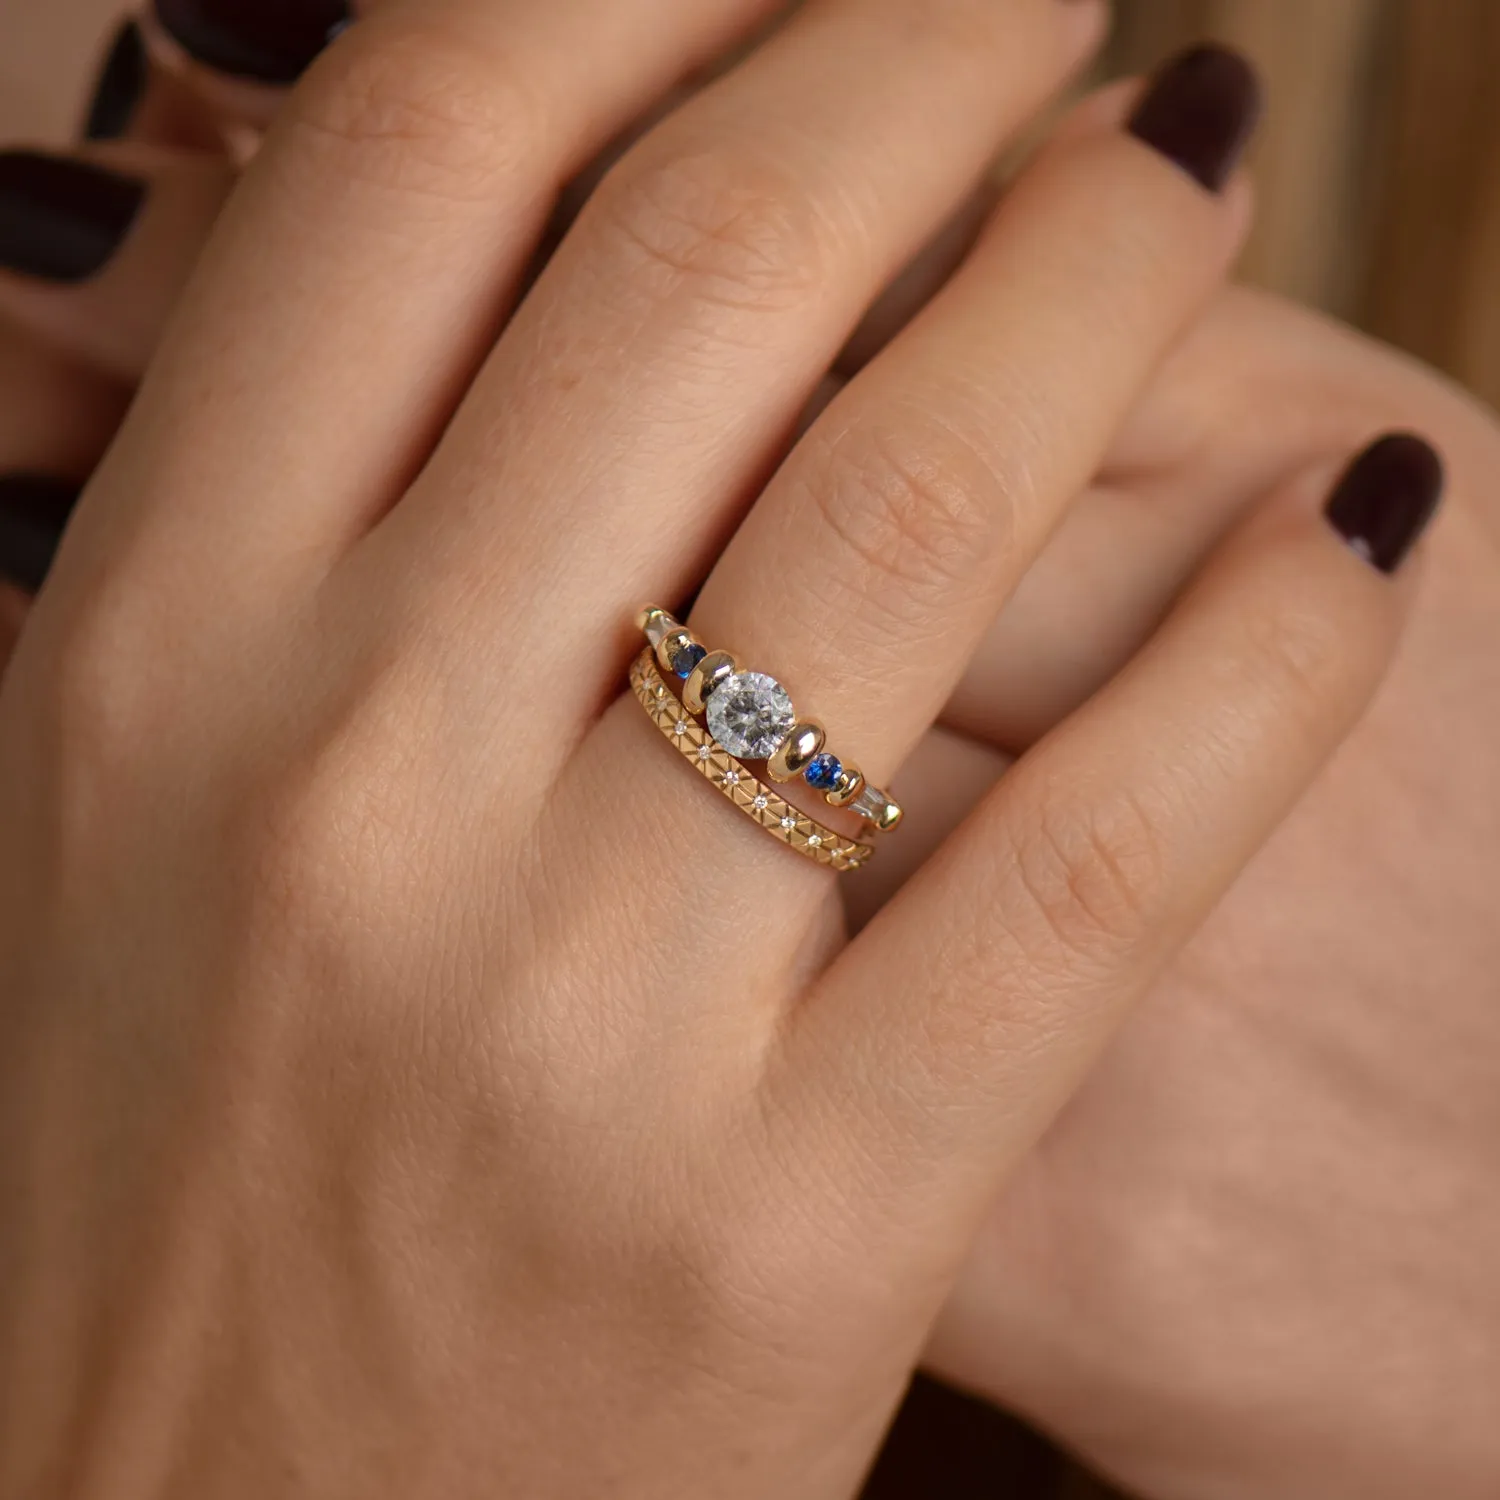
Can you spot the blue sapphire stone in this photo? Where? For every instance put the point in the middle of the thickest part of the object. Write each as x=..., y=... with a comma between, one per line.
x=823, y=772
x=685, y=658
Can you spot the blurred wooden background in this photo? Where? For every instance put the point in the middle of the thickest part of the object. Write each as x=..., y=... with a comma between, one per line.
x=1379, y=164
x=1379, y=176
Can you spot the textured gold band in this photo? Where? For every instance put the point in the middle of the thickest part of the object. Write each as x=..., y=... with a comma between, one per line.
x=756, y=721
x=753, y=798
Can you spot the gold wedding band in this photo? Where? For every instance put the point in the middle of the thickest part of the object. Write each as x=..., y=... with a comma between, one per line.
x=753, y=797
x=749, y=716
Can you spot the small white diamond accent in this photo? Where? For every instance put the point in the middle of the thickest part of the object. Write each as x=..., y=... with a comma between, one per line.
x=789, y=823
x=760, y=804
x=704, y=751
x=680, y=727
x=815, y=841
x=731, y=778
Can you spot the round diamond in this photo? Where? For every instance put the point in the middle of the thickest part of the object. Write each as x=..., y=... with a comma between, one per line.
x=789, y=823
x=704, y=751
x=731, y=778
x=761, y=803
x=751, y=715
x=680, y=727
x=815, y=841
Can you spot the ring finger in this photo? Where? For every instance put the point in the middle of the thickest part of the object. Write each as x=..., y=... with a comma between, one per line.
x=879, y=556
x=655, y=371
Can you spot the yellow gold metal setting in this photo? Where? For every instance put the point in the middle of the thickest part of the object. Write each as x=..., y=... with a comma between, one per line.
x=851, y=784
x=758, y=703
x=754, y=798
x=705, y=677
x=671, y=643
x=796, y=754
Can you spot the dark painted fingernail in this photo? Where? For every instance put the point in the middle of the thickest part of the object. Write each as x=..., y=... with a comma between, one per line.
x=270, y=41
x=61, y=219
x=1201, y=112
x=121, y=86
x=1387, y=498
x=34, y=511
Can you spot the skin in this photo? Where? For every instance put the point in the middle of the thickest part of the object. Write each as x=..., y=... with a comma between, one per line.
x=1292, y=1149
x=996, y=1313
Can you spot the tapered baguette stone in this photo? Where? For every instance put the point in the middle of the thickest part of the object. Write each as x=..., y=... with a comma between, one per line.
x=657, y=624
x=875, y=807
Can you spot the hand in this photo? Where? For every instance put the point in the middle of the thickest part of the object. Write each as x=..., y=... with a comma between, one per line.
x=1070, y=580
x=1258, y=1255
x=411, y=1085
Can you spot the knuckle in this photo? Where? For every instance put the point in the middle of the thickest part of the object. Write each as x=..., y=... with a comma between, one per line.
x=99, y=706
x=738, y=233
x=1088, y=877
x=414, y=106
x=289, y=836
x=332, y=827
x=912, y=507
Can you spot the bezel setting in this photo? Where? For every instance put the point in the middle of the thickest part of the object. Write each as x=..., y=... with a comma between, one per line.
x=750, y=716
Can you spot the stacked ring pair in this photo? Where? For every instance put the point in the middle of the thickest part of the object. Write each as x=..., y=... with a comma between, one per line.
x=749, y=716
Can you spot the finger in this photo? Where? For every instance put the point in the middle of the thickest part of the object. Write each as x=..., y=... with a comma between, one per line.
x=926, y=275
x=970, y=1008
x=55, y=421
x=918, y=282
x=95, y=249
x=55, y=418
x=238, y=57
x=1185, y=466
x=886, y=546
x=905, y=295
x=372, y=252
x=120, y=89
x=940, y=784
x=133, y=98
x=730, y=255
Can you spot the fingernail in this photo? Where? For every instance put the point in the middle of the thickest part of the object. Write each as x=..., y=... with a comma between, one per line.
x=269, y=41
x=1387, y=498
x=34, y=511
x=121, y=86
x=60, y=219
x=1201, y=112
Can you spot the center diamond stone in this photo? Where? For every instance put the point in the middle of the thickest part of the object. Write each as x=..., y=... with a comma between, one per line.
x=751, y=715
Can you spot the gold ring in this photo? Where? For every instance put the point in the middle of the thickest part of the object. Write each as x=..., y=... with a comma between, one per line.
x=753, y=797
x=751, y=716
